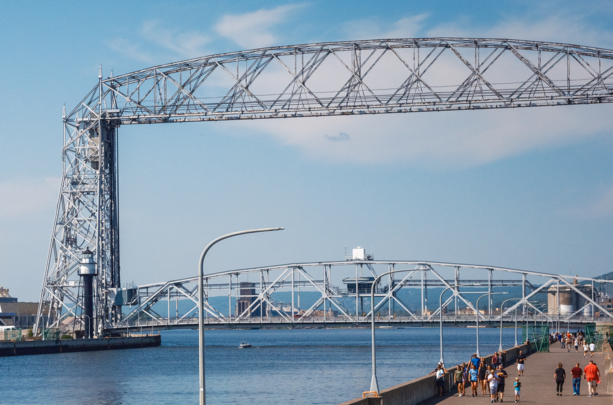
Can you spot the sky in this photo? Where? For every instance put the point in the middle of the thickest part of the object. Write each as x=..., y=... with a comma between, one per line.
x=522, y=188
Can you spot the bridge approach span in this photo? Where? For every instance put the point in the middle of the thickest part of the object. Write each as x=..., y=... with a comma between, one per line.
x=255, y=296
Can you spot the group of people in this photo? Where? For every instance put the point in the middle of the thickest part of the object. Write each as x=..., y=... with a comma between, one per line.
x=590, y=373
x=491, y=378
x=568, y=340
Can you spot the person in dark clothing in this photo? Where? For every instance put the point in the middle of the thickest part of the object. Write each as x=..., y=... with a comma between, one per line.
x=577, y=373
x=559, y=376
x=520, y=364
x=483, y=378
x=502, y=376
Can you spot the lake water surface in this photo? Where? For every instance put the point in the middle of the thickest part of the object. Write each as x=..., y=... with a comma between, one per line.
x=300, y=366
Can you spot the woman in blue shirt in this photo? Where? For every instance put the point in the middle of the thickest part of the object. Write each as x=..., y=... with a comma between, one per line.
x=473, y=375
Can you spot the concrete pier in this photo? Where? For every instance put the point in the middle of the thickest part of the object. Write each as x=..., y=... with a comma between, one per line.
x=538, y=386
x=23, y=348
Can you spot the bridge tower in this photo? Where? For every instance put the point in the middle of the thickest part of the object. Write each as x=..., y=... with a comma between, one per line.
x=86, y=219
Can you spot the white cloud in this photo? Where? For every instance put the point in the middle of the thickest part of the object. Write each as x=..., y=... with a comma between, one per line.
x=27, y=196
x=438, y=139
x=406, y=27
x=188, y=44
x=254, y=30
x=131, y=50
x=465, y=138
x=569, y=27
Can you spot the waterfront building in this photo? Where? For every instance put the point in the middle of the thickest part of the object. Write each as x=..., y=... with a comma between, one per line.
x=14, y=313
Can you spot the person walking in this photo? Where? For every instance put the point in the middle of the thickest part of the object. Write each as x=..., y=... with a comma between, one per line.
x=592, y=349
x=520, y=364
x=475, y=360
x=569, y=343
x=502, y=376
x=465, y=378
x=473, y=375
x=458, y=379
x=576, y=373
x=483, y=378
x=495, y=360
x=576, y=345
x=493, y=383
x=592, y=375
x=559, y=376
x=517, y=386
x=586, y=349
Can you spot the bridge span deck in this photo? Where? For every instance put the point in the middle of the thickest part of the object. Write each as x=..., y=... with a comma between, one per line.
x=343, y=322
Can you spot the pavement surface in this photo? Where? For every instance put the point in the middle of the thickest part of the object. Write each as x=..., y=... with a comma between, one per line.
x=538, y=386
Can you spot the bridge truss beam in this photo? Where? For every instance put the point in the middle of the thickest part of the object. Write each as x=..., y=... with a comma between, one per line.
x=337, y=306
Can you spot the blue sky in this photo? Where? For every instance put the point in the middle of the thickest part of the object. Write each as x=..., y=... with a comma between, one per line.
x=529, y=189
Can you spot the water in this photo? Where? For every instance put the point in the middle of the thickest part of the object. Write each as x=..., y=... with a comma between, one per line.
x=301, y=366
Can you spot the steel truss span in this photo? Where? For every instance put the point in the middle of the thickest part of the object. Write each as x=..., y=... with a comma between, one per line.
x=311, y=80
x=253, y=296
x=359, y=77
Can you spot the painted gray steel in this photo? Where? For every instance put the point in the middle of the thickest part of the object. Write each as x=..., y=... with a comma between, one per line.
x=347, y=78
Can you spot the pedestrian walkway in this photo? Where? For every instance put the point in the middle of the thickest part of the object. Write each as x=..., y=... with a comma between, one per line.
x=538, y=386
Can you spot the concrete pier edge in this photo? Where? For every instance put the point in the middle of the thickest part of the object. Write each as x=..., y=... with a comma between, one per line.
x=424, y=388
x=33, y=347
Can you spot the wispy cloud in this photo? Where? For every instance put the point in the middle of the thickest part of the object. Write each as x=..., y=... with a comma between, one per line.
x=571, y=26
x=188, y=44
x=130, y=50
x=27, y=196
x=369, y=28
x=450, y=139
x=341, y=137
x=160, y=43
x=255, y=29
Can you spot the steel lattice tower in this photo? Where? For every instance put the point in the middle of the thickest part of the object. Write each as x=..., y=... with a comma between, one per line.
x=87, y=217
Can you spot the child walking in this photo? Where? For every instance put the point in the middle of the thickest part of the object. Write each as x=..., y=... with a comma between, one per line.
x=517, y=386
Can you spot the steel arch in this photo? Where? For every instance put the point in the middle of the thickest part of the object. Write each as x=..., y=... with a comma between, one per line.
x=318, y=277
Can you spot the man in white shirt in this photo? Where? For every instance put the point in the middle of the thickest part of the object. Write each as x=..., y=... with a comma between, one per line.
x=440, y=378
x=592, y=348
x=493, y=380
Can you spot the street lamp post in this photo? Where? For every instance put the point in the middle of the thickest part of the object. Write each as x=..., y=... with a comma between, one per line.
x=501, y=312
x=201, y=300
x=516, y=327
x=440, y=307
x=477, y=313
x=374, y=386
